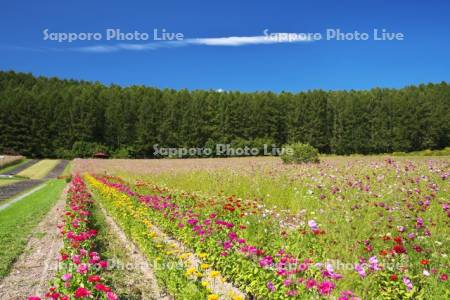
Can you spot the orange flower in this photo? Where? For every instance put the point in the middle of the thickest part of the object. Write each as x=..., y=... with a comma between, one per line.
x=424, y=262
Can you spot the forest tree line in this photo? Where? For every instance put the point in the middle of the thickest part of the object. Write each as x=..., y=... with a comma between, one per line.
x=50, y=117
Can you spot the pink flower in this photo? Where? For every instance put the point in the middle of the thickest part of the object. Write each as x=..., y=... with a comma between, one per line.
x=82, y=269
x=66, y=277
x=407, y=282
x=76, y=259
x=326, y=287
x=310, y=283
x=312, y=224
x=360, y=270
x=33, y=298
x=111, y=296
x=270, y=286
x=266, y=261
x=374, y=263
x=192, y=221
x=227, y=245
x=419, y=222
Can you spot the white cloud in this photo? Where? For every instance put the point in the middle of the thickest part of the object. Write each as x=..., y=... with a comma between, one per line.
x=233, y=41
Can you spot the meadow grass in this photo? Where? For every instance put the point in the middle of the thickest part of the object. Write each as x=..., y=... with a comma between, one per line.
x=333, y=193
x=18, y=220
x=40, y=169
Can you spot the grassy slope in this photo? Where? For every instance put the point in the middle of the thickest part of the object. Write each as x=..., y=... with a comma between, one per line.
x=18, y=221
x=40, y=169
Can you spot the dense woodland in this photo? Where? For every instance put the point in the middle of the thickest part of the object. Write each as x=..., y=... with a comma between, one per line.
x=50, y=117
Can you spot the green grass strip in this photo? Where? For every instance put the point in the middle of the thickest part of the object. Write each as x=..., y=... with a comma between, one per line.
x=18, y=220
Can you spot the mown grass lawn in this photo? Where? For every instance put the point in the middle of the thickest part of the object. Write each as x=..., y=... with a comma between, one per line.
x=7, y=181
x=39, y=170
x=13, y=166
x=18, y=221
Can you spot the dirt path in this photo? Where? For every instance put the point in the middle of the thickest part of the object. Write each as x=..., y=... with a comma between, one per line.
x=143, y=274
x=32, y=271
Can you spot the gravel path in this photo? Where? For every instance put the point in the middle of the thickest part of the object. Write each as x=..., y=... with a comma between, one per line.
x=22, y=167
x=38, y=263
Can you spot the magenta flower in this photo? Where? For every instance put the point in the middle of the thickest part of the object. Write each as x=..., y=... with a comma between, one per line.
x=266, y=261
x=271, y=287
x=227, y=245
x=310, y=283
x=192, y=221
x=326, y=287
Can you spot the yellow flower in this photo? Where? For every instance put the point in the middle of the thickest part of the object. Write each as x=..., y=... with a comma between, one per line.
x=213, y=297
x=198, y=274
x=205, y=283
x=204, y=266
x=202, y=255
x=190, y=271
x=237, y=297
x=214, y=274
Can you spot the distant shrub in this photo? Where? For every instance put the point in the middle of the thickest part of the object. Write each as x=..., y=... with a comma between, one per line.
x=124, y=152
x=87, y=149
x=299, y=153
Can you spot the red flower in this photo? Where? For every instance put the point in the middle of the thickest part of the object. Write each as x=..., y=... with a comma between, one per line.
x=94, y=278
x=399, y=249
x=82, y=292
x=444, y=277
x=102, y=287
x=394, y=277
x=398, y=240
x=424, y=262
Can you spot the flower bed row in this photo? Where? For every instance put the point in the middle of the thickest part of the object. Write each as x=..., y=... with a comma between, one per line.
x=173, y=265
x=80, y=268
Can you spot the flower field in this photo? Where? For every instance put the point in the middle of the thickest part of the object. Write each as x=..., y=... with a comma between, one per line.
x=355, y=228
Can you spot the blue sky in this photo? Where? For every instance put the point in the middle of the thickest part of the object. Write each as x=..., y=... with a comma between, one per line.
x=209, y=59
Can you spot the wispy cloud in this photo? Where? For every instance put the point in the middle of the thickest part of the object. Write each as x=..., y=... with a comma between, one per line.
x=231, y=41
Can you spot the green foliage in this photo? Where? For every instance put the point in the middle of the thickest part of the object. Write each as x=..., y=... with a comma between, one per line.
x=87, y=149
x=300, y=153
x=427, y=152
x=43, y=117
